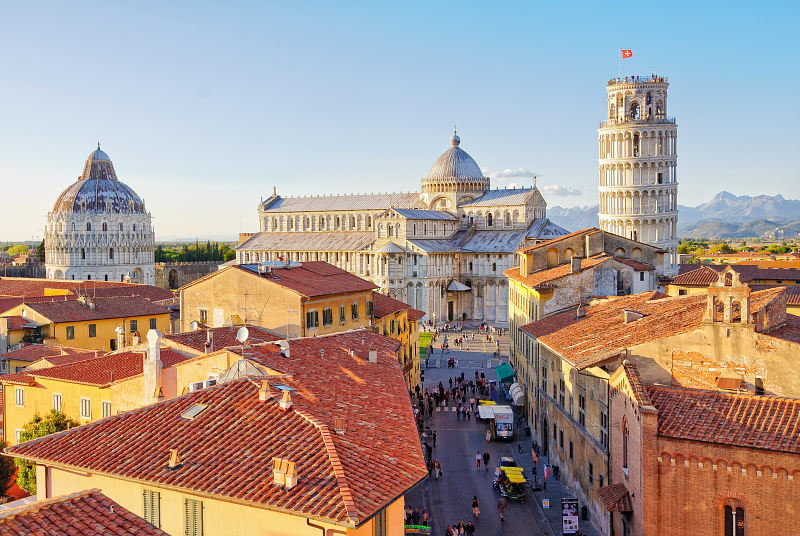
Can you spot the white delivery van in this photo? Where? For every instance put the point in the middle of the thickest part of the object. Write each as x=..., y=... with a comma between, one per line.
x=503, y=423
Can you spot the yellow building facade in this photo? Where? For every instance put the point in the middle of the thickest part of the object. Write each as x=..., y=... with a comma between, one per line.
x=92, y=332
x=303, y=306
x=401, y=325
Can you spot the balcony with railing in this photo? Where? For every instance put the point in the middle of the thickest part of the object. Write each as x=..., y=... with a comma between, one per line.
x=629, y=121
x=639, y=79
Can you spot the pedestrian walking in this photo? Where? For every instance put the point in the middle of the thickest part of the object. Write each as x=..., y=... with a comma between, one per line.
x=469, y=414
x=469, y=529
x=501, y=508
x=486, y=457
x=437, y=469
x=478, y=461
x=488, y=436
x=476, y=511
x=430, y=467
x=434, y=438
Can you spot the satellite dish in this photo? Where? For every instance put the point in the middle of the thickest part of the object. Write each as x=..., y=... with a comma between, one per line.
x=119, y=330
x=242, y=334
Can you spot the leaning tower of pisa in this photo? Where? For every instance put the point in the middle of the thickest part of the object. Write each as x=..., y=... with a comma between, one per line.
x=638, y=160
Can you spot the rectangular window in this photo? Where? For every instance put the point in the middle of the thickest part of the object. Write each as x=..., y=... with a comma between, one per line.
x=604, y=427
x=134, y=326
x=570, y=450
x=561, y=439
x=342, y=313
x=70, y=332
x=312, y=319
x=86, y=408
x=555, y=433
x=57, y=401
x=193, y=517
x=203, y=313
x=18, y=434
x=582, y=407
x=561, y=391
x=152, y=507
x=153, y=323
x=370, y=308
x=20, y=392
x=641, y=276
x=391, y=327
x=92, y=330
x=354, y=311
x=105, y=408
x=682, y=292
x=327, y=316
x=544, y=376
x=591, y=475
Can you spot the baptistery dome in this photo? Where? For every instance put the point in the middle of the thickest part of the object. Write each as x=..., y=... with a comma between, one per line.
x=99, y=191
x=455, y=163
x=99, y=229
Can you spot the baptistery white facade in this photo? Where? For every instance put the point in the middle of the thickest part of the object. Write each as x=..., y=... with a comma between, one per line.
x=99, y=229
x=638, y=163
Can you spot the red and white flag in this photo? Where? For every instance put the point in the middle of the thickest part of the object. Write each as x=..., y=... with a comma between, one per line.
x=627, y=53
x=546, y=471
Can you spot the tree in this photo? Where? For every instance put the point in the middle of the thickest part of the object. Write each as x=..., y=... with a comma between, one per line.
x=39, y=426
x=18, y=249
x=722, y=247
x=40, y=251
x=693, y=260
x=7, y=469
x=684, y=248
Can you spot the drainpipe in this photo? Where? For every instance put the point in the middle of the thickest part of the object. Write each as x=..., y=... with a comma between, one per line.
x=312, y=525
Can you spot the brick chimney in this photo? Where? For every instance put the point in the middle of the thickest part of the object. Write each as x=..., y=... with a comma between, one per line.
x=286, y=400
x=284, y=473
x=153, y=368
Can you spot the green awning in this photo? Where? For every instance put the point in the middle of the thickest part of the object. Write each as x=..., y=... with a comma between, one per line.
x=505, y=374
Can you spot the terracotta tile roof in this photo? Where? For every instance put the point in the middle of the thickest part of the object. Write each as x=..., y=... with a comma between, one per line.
x=315, y=278
x=601, y=333
x=741, y=420
x=100, y=371
x=636, y=265
x=415, y=314
x=15, y=323
x=28, y=287
x=702, y=275
x=636, y=383
x=75, y=311
x=59, y=360
x=383, y=305
x=543, y=277
x=788, y=274
x=34, y=352
x=89, y=513
x=588, y=231
x=344, y=478
x=615, y=497
x=789, y=331
x=792, y=292
x=10, y=303
x=223, y=337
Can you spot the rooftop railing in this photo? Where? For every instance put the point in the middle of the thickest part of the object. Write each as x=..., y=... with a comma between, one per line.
x=629, y=121
x=634, y=79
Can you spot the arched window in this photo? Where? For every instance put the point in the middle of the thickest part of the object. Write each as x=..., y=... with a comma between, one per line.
x=246, y=257
x=728, y=279
x=736, y=312
x=625, y=444
x=391, y=230
x=73, y=226
x=120, y=227
x=352, y=222
x=494, y=266
x=719, y=311
x=83, y=254
x=134, y=227
x=489, y=219
x=635, y=110
x=105, y=226
x=88, y=226
x=508, y=219
x=470, y=266
x=111, y=253
x=734, y=520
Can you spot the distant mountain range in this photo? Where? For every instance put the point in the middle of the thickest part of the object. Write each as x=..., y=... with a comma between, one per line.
x=725, y=216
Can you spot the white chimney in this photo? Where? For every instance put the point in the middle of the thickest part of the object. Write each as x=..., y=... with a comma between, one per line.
x=373, y=356
x=630, y=316
x=286, y=400
x=264, y=392
x=153, y=368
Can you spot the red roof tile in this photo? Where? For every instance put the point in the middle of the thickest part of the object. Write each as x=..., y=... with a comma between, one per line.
x=415, y=314
x=89, y=513
x=9, y=303
x=345, y=478
x=601, y=333
x=16, y=323
x=543, y=277
x=636, y=265
x=548, y=243
x=101, y=371
x=615, y=497
x=384, y=305
x=223, y=337
x=34, y=352
x=29, y=287
x=314, y=278
x=792, y=292
x=75, y=311
x=741, y=420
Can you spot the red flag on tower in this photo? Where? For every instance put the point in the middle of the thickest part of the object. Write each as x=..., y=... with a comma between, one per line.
x=627, y=53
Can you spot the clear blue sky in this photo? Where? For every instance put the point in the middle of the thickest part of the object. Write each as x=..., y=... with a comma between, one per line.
x=203, y=107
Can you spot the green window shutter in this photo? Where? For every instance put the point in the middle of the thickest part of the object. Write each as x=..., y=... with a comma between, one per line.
x=152, y=507
x=194, y=517
x=308, y=319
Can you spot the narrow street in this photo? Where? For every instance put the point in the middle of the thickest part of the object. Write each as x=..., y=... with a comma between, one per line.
x=448, y=500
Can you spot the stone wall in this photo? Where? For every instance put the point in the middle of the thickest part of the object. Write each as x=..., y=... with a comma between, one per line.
x=173, y=275
x=28, y=270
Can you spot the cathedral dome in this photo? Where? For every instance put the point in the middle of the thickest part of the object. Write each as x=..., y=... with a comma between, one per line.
x=98, y=190
x=455, y=163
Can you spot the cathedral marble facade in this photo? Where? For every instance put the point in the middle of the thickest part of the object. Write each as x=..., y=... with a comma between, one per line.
x=442, y=250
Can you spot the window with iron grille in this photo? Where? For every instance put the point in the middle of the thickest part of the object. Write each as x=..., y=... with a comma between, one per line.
x=193, y=517
x=152, y=507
